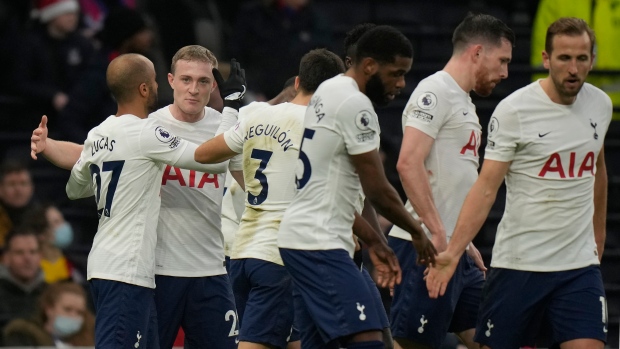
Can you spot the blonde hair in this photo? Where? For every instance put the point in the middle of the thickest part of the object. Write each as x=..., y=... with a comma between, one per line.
x=193, y=53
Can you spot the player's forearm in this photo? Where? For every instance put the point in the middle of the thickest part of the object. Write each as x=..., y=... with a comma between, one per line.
x=369, y=214
x=62, y=154
x=363, y=230
x=418, y=189
x=600, y=207
x=187, y=161
x=229, y=119
x=475, y=210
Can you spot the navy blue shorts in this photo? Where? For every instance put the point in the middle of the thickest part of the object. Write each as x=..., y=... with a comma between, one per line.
x=331, y=297
x=515, y=301
x=376, y=296
x=203, y=306
x=416, y=317
x=264, y=297
x=125, y=315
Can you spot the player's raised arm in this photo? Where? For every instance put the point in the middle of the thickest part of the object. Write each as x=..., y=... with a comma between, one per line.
x=61, y=154
x=475, y=210
x=600, y=203
x=386, y=201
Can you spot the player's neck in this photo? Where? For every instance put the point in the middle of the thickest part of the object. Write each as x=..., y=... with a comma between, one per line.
x=360, y=78
x=302, y=98
x=462, y=73
x=136, y=109
x=180, y=115
x=553, y=93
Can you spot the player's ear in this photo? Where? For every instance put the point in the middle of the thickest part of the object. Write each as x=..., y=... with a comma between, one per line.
x=297, y=83
x=369, y=66
x=170, y=80
x=144, y=90
x=476, y=52
x=546, y=57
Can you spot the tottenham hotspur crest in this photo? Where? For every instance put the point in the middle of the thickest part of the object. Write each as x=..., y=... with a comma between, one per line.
x=361, y=308
x=593, y=124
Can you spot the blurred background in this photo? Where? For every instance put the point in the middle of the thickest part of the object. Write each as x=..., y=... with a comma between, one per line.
x=54, y=54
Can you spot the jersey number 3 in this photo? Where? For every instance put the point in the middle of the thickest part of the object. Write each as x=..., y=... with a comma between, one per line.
x=95, y=172
x=263, y=156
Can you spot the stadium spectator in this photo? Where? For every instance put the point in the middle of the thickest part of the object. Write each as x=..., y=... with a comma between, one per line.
x=51, y=58
x=270, y=37
x=61, y=320
x=90, y=101
x=21, y=278
x=55, y=234
x=546, y=141
x=16, y=191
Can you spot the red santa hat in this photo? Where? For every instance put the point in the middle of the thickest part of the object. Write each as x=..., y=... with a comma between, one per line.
x=47, y=10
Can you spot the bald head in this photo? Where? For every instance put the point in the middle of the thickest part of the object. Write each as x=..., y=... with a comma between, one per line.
x=125, y=75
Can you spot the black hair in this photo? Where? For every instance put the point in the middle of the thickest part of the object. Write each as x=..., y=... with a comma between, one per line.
x=12, y=166
x=317, y=66
x=19, y=232
x=383, y=43
x=353, y=37
x=481, y=28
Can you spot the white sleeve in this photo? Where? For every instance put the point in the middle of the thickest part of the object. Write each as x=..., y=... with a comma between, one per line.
x=234, y=137
x=229, y=119
x=426, y=111
x=504, y=134
x=161, y=145
x=80, y=184
x=358, y=124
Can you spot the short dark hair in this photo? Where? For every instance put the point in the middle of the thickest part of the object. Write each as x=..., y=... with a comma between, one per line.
x=568, y=26
x=12, y=166
x=383, y=43
x=477, y=28
x=317, y=66
x=19, y=232
x=353, y=37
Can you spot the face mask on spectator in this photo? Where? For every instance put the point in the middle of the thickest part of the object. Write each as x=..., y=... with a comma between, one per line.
x=65, y=326
x=63, y=235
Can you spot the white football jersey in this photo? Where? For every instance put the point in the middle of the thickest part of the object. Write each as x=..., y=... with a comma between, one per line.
x=233, y=205
x=552, y=150
x=189, y=237
x=269, y=140
x=440, y=108
x=340, y=121
x=122, y=164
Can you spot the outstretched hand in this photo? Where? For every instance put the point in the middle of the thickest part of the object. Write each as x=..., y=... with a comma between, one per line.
x=439, y=274
x=39, y=138
x=387, y=269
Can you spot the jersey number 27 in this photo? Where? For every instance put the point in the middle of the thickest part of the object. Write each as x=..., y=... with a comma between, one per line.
x=95, y=172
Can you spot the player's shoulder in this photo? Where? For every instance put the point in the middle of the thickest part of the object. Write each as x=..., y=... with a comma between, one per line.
x=161, y=114
x=250, y=109
x=524, y=96
x=594, y=95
